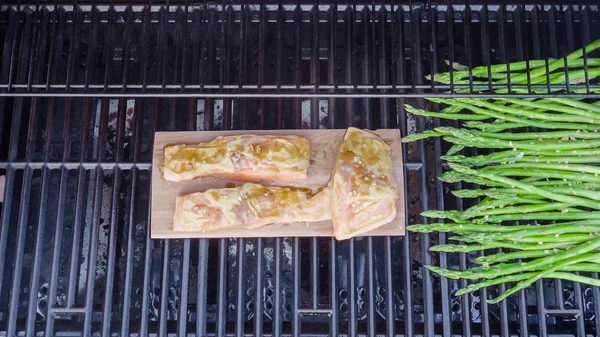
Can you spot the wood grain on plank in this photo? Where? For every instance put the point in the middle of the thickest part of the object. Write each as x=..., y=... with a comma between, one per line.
x=324, y=146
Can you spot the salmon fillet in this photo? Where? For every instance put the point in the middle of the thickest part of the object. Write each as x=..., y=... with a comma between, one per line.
x=249, y=206
x=244, y=157
x=363, y=190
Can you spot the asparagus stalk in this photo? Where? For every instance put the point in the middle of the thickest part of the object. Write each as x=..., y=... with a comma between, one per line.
x=524, y=122
x=493, y=128
x=446, y=115
x=469, y=138
x=449, y=248
x=584, y=190
x=540, y=104
x=487, y=260
x=454, y=177
x=519, y=277
x=469, y=227
x=483, y=238
x=459, y=227
x=574, y=103
x=542, y=173
x=546, y=166
x=520, y=158
x=562, y=135
x=529, y=188
x=554, y=268
x=510, y=155
x=516, y=210
x=573, y=254
x=455, y=149
x=483, y=71
x=541, y=71
x=551, y=216
x=498, y=71
x=567, y=113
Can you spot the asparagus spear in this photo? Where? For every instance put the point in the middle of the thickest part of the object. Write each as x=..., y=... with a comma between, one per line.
x=540, y=104
x=584, y=190
x=548, y=156
x=562, y=135
x=552, y=216
x=454, y=177
x=543, y=173
x=573, y=254
x=449, y=248
x=538, y=72
x=557, y=146
x=455, y=149
x=529, y=188
x=483, y=238
x=483, y=71
x=524, y=122
x=516, y=255
x=520, y=158
x=455, y=116
x=563, y=227
x=493, y=128
x=468, y=138
x=554, y=268
x=459, y=227
x=497, y=71
x=546, y=166
x=573, y=103
x=519, y=277
x=516, y=210
x=567, y=113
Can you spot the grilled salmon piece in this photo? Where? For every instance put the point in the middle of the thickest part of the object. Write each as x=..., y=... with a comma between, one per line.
x=363, y=190
x=245, y=157
x=249, y=206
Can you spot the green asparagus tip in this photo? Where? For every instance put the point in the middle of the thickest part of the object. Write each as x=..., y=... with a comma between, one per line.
x=452, y=274
x=457, y=66
x=450, y=177
x=411, y=109
x=421, y=228
x=462, y=291
x=435, y=100
x=461, y=168
x=455, y=158
x=448, y=248
x=439, y=214
x=418, y=136
x=480, y=259
x=465, y=194
x=495, y=300
x=456, y=148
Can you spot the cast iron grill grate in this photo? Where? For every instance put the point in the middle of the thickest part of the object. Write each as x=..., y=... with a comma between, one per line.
x=84, y=87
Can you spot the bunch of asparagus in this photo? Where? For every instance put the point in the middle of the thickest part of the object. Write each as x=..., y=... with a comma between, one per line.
x=544, y=179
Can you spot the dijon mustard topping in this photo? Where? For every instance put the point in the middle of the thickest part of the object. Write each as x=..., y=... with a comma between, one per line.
x=250, y=205
x=363, y=188
x=237, y=154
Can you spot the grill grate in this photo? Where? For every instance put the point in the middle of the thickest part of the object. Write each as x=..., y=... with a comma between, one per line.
x=243, y=50
x=84, y=90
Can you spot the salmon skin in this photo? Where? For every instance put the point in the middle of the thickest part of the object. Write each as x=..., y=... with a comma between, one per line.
x=249, y=206
x=244, y=157
x=363, y=189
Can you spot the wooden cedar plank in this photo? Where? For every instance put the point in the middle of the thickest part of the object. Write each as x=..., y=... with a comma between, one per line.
x=324, y=147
